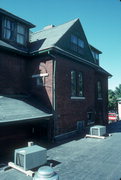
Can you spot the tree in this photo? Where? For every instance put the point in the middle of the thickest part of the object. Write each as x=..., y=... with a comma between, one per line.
x=112, y=100
x=118, y=91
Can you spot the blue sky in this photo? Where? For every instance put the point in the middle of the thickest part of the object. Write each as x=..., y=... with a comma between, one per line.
x=101, y=21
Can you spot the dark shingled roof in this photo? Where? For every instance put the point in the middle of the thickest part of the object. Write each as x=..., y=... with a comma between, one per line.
x=21, y=108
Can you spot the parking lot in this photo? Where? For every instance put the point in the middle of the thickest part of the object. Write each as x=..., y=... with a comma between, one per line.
x=83, y=158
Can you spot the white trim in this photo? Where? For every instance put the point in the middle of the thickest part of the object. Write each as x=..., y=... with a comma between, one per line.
x=40, y=75
x=77, y=97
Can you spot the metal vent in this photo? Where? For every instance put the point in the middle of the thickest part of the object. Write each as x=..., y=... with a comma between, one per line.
x=95, y=131
x=30, y=157
x=98, y=130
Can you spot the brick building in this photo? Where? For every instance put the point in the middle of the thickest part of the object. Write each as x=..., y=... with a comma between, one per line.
x=51, y=83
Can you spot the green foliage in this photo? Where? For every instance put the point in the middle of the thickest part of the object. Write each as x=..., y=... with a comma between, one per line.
x=112, y=98
x=118, y=91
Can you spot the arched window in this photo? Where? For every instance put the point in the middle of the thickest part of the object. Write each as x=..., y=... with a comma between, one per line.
x=99, y=90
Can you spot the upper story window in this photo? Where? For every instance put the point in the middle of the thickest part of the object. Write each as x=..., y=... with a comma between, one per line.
x=8, y=29
x=76, y=84
x=95, y=55
x=21, y=34
x=77, y=44
x=14, y=31
x=99, y=90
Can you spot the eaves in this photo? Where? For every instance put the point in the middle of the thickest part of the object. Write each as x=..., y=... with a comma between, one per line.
x=14, y=50
x=82, y=60
x=72, y=57
x=60, y=51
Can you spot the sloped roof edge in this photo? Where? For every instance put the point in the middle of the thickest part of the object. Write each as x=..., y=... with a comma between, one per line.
x=2, y=11
x=97, y=67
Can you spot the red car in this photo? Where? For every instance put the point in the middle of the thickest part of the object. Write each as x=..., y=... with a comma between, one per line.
x=112, y=117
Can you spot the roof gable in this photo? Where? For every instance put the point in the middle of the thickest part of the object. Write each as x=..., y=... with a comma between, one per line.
x=65, y=42
x=49, y=36
x=60, y=37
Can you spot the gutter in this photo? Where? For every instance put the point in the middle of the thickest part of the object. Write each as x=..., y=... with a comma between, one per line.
x=82, y=60
x=61, y=51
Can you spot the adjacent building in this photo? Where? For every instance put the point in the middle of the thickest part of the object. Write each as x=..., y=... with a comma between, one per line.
x=51, y=82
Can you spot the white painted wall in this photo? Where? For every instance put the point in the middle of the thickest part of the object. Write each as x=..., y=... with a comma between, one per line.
x=119, y=109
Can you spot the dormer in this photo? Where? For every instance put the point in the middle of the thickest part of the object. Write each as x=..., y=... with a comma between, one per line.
x=13, y=29
x=95, y=53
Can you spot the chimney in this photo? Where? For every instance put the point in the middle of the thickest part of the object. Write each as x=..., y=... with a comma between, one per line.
x=49, y=27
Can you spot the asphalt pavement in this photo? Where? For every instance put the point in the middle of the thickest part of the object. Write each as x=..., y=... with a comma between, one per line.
x=82, y=158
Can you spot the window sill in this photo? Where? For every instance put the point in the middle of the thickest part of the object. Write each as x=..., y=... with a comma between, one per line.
x=77, y=98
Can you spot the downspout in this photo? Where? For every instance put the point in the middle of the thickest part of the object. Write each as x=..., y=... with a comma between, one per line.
x=53, y=92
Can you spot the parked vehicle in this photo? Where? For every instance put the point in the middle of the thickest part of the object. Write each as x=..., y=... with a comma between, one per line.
x=112, y=117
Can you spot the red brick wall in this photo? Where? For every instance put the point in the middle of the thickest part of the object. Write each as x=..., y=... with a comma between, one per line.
x=43, y=92
x=102, y=105
x=12, y=73
x=69, y=111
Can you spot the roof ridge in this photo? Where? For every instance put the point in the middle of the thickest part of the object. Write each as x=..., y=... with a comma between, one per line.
x=74, y=20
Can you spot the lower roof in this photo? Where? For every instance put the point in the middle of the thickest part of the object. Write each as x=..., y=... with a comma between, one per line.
x=16, y=108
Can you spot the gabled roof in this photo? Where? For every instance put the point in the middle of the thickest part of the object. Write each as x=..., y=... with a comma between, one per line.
x=95, y=49
x=49, y=37
x=17, y=108
x=2, y=11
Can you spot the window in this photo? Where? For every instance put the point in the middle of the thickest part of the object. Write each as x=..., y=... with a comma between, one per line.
x=8, y=29
x=99, y=90
x=20, y=34
x=14, y=31
x=80, y=84
x=80, y=43
x=95, y=55
x=74, y=42
x=40, y=79
x=90, y=118
x=77, y=44
x=73, y=83
x=76, y=84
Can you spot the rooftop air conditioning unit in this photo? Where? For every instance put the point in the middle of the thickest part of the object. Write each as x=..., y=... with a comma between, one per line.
x=30, y=157
x=98, y=130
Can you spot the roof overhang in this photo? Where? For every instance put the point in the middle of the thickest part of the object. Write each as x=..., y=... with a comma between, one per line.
x=21, y=109
x=30, y=25
x=73, y=57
